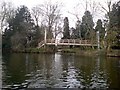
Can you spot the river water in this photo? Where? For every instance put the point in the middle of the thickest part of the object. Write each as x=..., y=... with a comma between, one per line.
x=60, y=71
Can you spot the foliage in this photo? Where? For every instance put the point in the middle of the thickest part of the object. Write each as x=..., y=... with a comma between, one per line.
x=6, y=41
x=86, y=25
x=66, y=33
x=77, y=32
x=22, y=32
x=73, y=33
x=113, y=29
x=99, y=27
x=23, y=26
x=38, y=35
x=111, y=39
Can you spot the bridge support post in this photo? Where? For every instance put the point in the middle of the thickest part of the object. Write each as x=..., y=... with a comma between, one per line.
x=56, y=42
x=45, y=36
x=98, y=40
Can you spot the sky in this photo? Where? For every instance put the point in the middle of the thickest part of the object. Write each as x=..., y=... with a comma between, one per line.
x=70, y=7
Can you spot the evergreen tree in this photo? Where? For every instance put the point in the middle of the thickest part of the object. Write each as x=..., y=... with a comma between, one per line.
x=86, y=25
x=113, y=22
x=21, y=30
x=38, y=35
x=113, y=29
x=99, y=27
x=73, y=33
x=66, y=33
x=78, y=30
x=6, y=41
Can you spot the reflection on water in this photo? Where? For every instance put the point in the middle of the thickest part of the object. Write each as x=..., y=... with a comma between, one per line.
x=60, y=71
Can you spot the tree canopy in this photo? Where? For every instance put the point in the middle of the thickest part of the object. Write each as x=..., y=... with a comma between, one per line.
x=86, y=25
x=25, y=28
x=66, y=32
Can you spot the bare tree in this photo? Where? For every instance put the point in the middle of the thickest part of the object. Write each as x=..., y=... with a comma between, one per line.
x=86, y=5
x=57, y=27
x=108, y=37
x=36, y=12
x=51, y=14
x=106, y=9
x=2, y=14
x=7, y=11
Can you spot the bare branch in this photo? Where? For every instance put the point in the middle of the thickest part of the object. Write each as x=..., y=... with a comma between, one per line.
x=50, y=14
x=7, y=11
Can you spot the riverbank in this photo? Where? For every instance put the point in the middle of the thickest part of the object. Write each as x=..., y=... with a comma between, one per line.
x=76, y=51
x=34, y=50
x=113, y=53
x=89, y=52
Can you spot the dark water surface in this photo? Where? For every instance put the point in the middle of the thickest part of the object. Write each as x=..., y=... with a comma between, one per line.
x=60, y=71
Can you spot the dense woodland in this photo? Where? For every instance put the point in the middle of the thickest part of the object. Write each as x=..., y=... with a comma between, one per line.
x=23, y=28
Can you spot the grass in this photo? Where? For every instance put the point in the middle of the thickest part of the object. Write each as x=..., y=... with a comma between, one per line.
x=113, y=53
x=78, y=51
x=75, y=50
x=34, y=50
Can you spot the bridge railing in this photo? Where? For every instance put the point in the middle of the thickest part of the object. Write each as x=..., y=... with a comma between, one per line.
x=66, y=41
x=76, y=41
x=41, y=43
x=50, y=41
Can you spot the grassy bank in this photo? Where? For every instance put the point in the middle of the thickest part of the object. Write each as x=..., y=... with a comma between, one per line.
x=76, y=51
x=35, y=50
x=113, y=53
x=93, y=52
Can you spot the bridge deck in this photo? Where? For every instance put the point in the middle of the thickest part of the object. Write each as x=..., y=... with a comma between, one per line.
x=75, y=42
x=67, y=44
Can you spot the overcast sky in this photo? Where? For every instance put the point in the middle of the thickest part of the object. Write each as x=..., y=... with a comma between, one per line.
x=70, y=6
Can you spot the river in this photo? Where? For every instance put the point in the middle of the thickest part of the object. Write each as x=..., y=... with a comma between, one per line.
x=60, y=71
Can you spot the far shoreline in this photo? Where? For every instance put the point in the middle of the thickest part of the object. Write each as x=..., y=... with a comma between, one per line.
x=76, y=51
